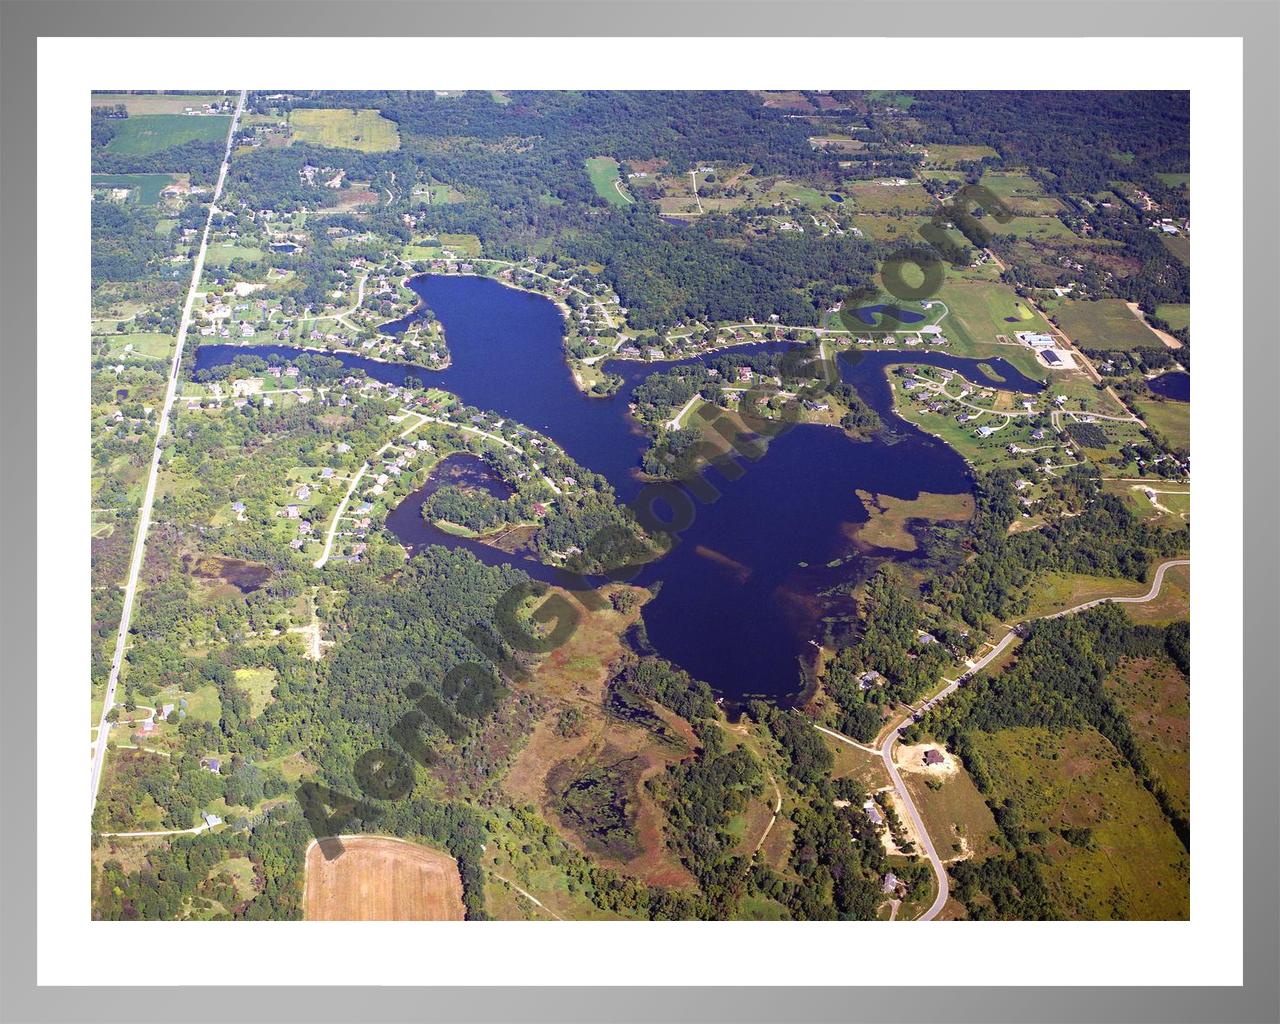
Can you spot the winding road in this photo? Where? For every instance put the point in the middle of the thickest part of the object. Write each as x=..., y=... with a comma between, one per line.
x=144, y=512
x=895, y=731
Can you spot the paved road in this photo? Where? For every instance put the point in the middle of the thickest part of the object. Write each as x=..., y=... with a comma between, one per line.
x=894, y=734
x=144, y=513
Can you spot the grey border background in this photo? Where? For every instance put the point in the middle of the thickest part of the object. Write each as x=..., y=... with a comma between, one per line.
x=23, y=21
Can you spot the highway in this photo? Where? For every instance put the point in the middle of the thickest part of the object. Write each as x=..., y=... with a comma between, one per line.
x=144, y=513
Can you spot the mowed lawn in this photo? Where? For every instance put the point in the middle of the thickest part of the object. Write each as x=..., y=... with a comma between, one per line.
x=152, y=133
x=364, y=130
x=1105, y=324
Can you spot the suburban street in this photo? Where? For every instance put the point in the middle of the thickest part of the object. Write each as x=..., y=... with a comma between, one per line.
x=894, y=733
x=144, y=513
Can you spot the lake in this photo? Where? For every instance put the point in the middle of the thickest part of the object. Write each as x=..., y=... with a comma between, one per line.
x=1175, y=385
x=867, y=314
x=739, y=596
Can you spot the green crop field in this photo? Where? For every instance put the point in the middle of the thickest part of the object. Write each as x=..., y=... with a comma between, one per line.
x=1105, y=324
x=603, y=171
x=364, y=130
x=147, y=186
x=152, y=133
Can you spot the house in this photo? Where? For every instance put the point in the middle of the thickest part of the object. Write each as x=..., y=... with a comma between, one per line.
x=890, y=883
x=166, y=711
x=870, y=679
x=873, y=813
x=326, y=473
x=292, y=512
x=211, y=764
x=147, y=728
x=986, y=431
x=210, y=819
x=932, y=757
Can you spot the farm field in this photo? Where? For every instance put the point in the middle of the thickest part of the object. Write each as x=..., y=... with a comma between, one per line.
x=148, y=186
x=603, y=171
x=381, y=879
x=1131, y=865
x=152, y=133
x=1105, y=324
x=363, y=130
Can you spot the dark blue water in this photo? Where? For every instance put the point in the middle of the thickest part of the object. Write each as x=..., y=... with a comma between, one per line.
x=836, y=197
x=1176, y=385
x=283, y=247
x=736, y=606
x=867, y=314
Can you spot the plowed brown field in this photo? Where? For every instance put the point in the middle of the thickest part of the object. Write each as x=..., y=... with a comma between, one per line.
x=381, y=879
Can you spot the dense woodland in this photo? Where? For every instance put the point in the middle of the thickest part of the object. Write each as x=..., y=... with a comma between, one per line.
x=408, y=722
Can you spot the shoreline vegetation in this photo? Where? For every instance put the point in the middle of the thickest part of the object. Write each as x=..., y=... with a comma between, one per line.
x=332, y=539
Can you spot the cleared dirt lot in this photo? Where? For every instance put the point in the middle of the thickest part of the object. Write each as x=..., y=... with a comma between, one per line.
x=381, y=879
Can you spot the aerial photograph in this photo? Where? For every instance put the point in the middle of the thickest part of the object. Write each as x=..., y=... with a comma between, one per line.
x=657, y=505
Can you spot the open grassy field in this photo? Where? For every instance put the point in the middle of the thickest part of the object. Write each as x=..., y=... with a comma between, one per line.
x=1176, y=314
x=147, y=186
x=979, y=310
x=139, y=346
x=955, y=813
x=381, y=879
x=156, y=103
x=1172, y=419
x=877, y=197
x=258, y=684
x=1156, y=697
x=603, y=171
x=363, y=130
x=1105, y=324
x=864, y=767
x=1132, y=865
x=948, y=155
x=151, y=133
x=220, y=254
x=1179, y=245
x=1056, y=591
x=1021, y=193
